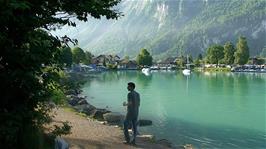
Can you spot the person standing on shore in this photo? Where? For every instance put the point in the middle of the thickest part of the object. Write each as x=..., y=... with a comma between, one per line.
x=133, y=102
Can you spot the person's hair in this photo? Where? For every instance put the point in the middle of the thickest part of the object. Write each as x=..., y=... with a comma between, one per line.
x=131, y=84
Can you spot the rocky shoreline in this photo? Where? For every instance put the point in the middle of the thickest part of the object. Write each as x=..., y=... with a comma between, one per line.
x=78, y=102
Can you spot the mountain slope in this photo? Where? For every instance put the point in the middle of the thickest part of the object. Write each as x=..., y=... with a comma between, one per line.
x=172, y=27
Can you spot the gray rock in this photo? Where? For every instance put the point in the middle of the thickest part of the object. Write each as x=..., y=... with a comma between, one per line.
x=73, y=101
x=145, y=122
x=72, y=92
x=114, y=117
x=85, y=108
x=82, y=101
x=146, y=138
x=98, y=113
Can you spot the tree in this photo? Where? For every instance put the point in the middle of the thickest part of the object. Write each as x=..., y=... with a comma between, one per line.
x=263, y=52
x=78, y=55
x=197, y=62
x=144, y=58
x=229, y=51
x=200, y=57
x=29, y=61
x=190, y=59
x=242, y=51
x=88, y=58
x=215, y=54
x=126, y=58
x=66, y=56
x=181, y=61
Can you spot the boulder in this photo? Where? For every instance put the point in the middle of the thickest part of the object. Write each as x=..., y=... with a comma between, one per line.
x=145, y=122
x=82, y=101
x=98, y=113
x=188, y=146
x=85, y=108
x=73, y=101
x=113, y=117
x=71, y=92
x=146, y=138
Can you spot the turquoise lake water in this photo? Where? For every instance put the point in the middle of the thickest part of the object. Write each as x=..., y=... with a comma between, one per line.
x=208, y=110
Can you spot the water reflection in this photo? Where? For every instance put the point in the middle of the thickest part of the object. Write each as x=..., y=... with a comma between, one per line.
x=210, y=110
x=203, y=136
x=143, y=80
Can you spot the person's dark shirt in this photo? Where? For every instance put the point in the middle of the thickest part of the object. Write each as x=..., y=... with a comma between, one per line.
x=134, y=100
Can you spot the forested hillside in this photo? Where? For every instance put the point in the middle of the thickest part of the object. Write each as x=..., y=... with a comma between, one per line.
x=175, y=27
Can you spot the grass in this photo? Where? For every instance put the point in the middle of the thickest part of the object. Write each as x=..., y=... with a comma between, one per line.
x=70, y=109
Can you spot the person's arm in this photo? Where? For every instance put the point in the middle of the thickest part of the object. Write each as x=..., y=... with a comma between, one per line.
x=129, y=101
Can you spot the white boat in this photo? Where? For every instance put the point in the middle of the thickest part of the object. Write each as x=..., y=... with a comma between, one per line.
x=187, y=71
x=146, y=71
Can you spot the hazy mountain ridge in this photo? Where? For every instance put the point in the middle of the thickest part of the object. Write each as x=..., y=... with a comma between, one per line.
x=171, y=27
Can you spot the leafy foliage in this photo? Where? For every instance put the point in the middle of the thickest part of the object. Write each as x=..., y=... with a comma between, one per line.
x=88, y=57
x=215, y=54
x=144, y=58
x=190, y=26
x=263, y=52
x=181, y=61
x=229, y=51
x=30, y=61
x=242, y=51
x=66, y=56
x=78, y=55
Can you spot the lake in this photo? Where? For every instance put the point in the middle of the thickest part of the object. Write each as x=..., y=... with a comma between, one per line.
x=207, y=110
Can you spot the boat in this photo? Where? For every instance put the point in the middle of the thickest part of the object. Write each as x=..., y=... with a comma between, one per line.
x=187, y=71
x=146, y=71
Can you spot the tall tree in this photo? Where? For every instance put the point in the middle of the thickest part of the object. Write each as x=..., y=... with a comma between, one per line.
x=242, y=51
x=200, y=56
x=66, y=56
x=263, y=52
x=144, y=58
x=190, y=59
x=29, y=59
x=181, y=61
x=78, y=55
x=88, y=58
x=215, y=54
x=229, y=51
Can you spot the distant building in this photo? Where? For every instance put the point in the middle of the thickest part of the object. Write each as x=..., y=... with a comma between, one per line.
x=127, y=64
x=106, y=59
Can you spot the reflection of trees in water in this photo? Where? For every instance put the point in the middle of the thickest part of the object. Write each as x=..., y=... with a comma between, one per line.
x=143, y=80
x=168, y=75
x=227, y=83
x=243, y=82
x=113, y=76
x=236, y=85
x=214, y=82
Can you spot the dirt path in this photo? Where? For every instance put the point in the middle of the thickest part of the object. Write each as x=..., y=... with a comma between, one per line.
x=90, y=134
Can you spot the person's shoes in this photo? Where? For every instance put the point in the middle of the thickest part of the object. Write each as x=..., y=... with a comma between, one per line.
x=133, y=143
x=126, y=142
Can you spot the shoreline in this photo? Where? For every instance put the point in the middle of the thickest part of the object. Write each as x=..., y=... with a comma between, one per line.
x=79, y=104
x=87, y=133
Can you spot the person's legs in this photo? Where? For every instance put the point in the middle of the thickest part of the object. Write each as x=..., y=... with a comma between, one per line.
x=134, y=126
x=126, y=123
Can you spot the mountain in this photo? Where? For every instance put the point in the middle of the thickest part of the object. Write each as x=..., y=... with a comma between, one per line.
x=174, y=27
